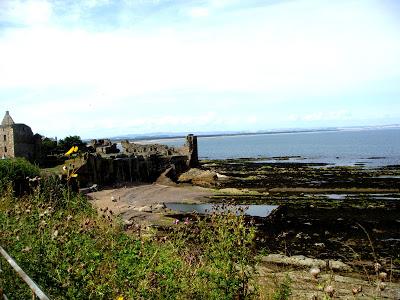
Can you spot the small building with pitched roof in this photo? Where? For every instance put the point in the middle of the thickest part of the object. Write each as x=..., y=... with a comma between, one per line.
x=18, y=140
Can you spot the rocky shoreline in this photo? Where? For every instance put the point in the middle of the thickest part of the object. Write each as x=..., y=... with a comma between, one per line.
x=348, y=213
x=325, y=212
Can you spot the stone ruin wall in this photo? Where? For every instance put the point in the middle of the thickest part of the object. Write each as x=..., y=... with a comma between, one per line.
x=140, y=163
x=6, y=142
x=148, y=149
x=25, y=144
x=18, y=141
x=189, y=150
x=105, y=171
x=103, y=146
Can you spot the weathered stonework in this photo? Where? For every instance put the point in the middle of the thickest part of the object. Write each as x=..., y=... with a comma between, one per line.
x=18, y=140
x=189, y=150
x=138, y=163
x=104, y=146
x=148, y=149
x=103, y=170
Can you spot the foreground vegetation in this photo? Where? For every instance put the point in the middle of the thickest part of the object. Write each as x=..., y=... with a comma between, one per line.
x=72, y=252
x=15, y=171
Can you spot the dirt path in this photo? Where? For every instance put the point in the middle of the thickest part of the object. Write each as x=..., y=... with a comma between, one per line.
x=135, y=202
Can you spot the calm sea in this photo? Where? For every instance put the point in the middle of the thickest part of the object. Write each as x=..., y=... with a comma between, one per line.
x=378, y=147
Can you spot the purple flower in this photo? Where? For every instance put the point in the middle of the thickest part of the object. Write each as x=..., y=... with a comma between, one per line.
x=176, y=221
x=186, y=221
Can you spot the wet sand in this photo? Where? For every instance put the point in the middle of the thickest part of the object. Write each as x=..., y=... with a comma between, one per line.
x=127, y=201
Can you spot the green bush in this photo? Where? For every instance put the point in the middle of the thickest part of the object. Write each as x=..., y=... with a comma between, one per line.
x=15, y=171
x=73, y=252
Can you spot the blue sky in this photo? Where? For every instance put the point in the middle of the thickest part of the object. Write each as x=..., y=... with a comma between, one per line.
x=103, y=68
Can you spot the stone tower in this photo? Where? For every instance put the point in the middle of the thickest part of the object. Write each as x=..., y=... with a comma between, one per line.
x=17, y=140
x=191, y=144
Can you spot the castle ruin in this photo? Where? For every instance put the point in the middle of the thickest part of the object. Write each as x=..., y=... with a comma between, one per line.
x=18, y=140
x=189, y=150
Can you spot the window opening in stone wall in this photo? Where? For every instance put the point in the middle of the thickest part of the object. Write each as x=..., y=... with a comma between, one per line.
x=5, y=137
x=5, y=149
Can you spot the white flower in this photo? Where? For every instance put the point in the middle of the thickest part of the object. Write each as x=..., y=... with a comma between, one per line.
x=330, y=290
x=315, y=271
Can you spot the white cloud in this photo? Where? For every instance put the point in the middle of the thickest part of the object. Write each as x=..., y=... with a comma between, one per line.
x=31, y=12
x=286, y=53
x=199, y=12
x=338, y=115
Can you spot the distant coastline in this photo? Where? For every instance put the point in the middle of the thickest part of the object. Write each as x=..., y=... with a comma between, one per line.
x=166, y=136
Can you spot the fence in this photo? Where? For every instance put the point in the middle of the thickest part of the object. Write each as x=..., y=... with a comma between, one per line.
x=36, y=291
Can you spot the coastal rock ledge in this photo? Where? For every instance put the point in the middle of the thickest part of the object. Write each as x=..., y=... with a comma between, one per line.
x=199, y=177
x=306, y=262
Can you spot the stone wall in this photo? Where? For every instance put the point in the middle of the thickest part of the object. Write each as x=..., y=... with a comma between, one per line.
x=6, y=142
x=189, y=150
x=17, y=140
x=102, y=170
x=103, y=146
x=148, y=149
x=24, y=142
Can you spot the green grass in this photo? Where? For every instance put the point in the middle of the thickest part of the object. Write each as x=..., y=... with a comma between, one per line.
x=71, y=252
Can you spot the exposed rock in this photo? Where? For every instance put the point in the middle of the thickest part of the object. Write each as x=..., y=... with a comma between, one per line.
x=199, y=177
x=346, y=287
x=302, y=261
x=145, y=209
x=222, y=177
x=159, y=207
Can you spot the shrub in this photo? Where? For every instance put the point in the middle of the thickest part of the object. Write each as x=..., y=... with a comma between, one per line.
x=72, y=252
x=15, y=171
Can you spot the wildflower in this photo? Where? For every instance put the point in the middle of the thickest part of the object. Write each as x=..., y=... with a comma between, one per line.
x=186, y=221
x=382, y=286
x=357, y=290
x=330, y=290
x=314, y=272
x=383, y=276
x=72, y=150
x=377, y=266
x=27, y=249
x=176, y=221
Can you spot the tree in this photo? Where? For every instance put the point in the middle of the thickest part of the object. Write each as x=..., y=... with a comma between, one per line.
x=69, y=141
x=48, y=146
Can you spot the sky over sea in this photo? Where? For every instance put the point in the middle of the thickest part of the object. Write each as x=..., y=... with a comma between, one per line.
x=101, y=68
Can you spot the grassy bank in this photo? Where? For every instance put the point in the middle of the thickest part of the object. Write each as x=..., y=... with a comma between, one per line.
x=72, y=252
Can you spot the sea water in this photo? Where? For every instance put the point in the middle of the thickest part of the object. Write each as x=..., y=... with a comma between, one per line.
x=378, y=147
